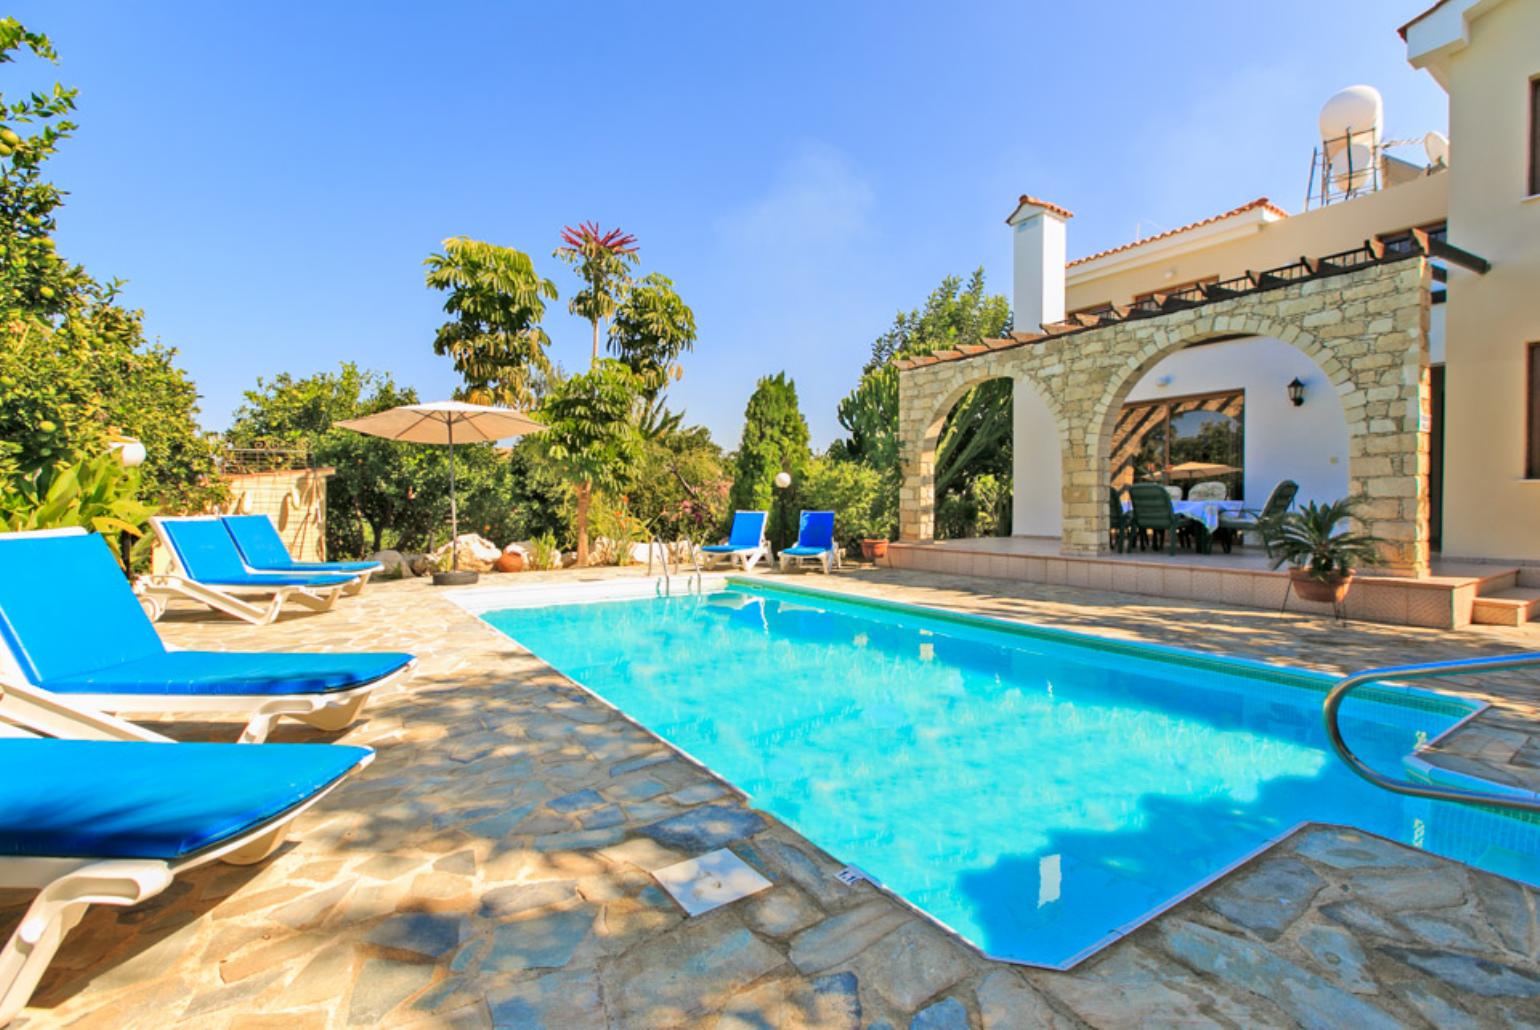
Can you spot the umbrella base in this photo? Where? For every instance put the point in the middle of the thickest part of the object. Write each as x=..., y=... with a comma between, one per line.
x=461, y=578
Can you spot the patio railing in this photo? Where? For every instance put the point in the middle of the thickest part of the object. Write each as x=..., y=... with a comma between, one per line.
x=1430, y=670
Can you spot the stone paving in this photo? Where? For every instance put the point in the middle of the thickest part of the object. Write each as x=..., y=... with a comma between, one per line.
x=491, y=868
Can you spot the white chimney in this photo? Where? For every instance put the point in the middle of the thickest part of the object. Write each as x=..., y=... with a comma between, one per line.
x=1038, y=259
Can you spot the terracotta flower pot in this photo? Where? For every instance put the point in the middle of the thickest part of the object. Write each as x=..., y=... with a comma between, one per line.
x=871, y=550
x=1326, y=591
x=510, y=561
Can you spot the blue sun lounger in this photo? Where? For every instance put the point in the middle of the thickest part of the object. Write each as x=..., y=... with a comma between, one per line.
x=746, y=543
x=78, y=633
x=208, y=567
x=263, y=550
x=112, y=822
x=815, y=542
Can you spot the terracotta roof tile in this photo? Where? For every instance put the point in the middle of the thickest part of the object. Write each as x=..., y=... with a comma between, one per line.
x=1260, y=202
x=1035, y=202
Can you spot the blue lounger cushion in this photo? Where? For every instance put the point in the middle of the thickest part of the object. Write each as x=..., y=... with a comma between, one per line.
x=129, y=799
x=234, y=673
x=815, y=534
x=747, y=533
x=207, y=554
x=258, y=541
x=77, y=627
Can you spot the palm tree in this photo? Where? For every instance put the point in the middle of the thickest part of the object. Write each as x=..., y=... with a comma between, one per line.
x=602, y=259
x=494, y=337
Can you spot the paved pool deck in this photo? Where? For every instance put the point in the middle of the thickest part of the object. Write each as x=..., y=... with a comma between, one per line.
x=492, y=868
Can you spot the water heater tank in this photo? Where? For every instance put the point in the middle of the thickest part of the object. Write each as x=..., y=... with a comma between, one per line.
x=1350, y=136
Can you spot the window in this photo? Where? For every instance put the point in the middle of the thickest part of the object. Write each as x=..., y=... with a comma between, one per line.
x=1534, y=136
x=1153, y=437
x=1532, y=377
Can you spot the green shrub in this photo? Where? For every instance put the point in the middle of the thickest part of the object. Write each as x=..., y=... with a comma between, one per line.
x=863, y=499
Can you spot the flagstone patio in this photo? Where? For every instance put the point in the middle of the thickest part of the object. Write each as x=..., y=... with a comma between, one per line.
x=492, y=867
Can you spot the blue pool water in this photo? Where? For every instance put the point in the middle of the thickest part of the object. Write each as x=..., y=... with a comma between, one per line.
x=1040, y=793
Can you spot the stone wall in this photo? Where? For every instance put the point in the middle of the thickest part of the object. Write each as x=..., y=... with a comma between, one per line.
x=294, y=499
x=1367, y=330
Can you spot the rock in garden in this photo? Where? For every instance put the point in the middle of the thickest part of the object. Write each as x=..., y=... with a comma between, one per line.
x=392, y=562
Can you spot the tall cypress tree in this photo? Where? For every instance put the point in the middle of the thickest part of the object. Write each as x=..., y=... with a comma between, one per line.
x=775, y=440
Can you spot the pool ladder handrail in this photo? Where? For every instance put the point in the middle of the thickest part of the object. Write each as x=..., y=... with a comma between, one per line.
x=1427, y=670
x=665, y=588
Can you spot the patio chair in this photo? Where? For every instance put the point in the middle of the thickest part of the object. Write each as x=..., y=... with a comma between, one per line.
x=746, y=543
x=1118, y=520
x=263, y=550
x=1151, y=511
x=78, y=635
x=1173, y=492
x=1209, y=490
x=815, y=542
x=1237, y=524
x=209, y=569
x=113, y=821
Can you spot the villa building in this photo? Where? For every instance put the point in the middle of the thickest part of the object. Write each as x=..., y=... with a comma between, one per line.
x=1384, y=342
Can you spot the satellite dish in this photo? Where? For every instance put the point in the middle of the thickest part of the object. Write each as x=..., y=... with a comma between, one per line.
x=1350, y=125
x=1436, y=145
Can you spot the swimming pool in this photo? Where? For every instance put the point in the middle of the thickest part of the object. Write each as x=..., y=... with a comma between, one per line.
x=1037, y=791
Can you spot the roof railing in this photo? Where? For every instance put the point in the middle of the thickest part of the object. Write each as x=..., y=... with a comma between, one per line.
x=1429, y=670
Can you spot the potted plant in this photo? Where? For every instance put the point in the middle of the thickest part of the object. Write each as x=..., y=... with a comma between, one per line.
x=1321, y=548
x=874, y=548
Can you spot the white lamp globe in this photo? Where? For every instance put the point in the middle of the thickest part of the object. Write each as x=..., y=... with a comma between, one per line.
x=130, y=452
x=783, y=479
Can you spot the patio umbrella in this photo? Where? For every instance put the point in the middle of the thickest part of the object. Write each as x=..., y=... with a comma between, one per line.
x=1199, y=470
x=440, y=422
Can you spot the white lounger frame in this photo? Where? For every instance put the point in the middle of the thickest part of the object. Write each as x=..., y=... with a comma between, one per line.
x=826, y=560
x=747, y=557
x=68, y=886
x=329, y=711
x=326, y=711
x=155, y=590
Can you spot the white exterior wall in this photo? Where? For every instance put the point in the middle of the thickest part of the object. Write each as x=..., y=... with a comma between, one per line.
x=1037, y=465
x=1308, y=444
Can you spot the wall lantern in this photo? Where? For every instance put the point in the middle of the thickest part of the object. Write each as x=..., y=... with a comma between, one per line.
x=1297, y=392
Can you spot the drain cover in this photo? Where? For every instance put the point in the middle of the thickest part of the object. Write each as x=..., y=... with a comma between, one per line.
x=710, y=881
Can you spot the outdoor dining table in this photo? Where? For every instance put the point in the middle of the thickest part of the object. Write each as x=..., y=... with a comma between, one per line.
x=1204, y=512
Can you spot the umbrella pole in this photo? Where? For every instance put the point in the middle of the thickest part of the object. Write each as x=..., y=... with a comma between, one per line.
x=454, y=514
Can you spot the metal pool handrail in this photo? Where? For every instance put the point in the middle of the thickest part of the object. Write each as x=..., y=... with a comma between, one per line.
x=1429, y=670
x=665, y=587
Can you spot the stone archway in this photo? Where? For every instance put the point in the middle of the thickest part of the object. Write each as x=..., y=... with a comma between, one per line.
x=917, y=494
x=1366, y=329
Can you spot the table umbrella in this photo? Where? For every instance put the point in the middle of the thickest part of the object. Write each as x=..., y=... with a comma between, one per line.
x=1198, y=470
x=439, y=422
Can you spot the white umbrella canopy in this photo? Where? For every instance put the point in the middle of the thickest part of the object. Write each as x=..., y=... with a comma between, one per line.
x=444, y=422
x=441, y=422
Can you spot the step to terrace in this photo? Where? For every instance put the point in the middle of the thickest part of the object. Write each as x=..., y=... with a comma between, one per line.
x=1513, y=606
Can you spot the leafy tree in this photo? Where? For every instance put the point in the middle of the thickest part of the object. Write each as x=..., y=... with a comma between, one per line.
x=496, y=300
x=679, y=484
x=976, y=437
x=775, y=440
x=651, y=330
x=590, y=439
x=603, y=260
x=75, y=368
x=384, y=493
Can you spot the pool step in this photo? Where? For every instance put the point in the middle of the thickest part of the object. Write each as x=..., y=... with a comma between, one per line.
x=1513, y=606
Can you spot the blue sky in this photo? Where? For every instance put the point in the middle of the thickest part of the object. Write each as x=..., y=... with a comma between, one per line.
x=268, y=177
